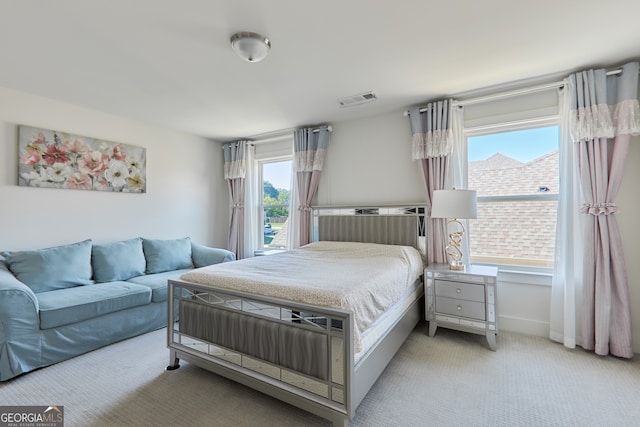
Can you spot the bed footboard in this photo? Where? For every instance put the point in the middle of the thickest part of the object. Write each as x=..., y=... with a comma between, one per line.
x=295, y=352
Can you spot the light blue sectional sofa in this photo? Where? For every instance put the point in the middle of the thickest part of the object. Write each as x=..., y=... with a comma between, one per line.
x=59, y=302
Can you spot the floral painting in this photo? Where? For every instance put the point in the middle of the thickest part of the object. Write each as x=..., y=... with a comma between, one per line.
x=53, y=159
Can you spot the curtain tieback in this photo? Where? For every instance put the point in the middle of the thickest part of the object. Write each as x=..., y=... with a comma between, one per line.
x=599, y=208
x=306, y=208
x=238, y=205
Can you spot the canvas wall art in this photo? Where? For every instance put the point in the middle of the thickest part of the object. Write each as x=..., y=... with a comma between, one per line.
x=53, y=159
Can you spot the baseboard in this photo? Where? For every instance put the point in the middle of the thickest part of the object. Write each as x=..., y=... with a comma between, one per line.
x=523, y=326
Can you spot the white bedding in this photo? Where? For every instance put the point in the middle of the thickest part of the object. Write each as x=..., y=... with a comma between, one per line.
x=365, y=278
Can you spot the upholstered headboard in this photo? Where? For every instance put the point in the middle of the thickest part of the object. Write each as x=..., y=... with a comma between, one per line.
x=391, y=225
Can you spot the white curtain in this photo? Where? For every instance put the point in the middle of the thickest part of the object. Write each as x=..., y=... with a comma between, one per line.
x=566, y=290
x=251, y=202
x=293, y=228
x=459, y=161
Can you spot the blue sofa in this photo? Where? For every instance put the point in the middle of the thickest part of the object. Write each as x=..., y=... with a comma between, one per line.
x=59, y=302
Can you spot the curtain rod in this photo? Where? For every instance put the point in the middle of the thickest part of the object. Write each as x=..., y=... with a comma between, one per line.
x=281, y=134
x=516, y=92
x=274, y=136
x=284, y=132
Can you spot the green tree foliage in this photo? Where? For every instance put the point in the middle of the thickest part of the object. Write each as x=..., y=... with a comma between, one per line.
x=269, y=190
x=282, y=198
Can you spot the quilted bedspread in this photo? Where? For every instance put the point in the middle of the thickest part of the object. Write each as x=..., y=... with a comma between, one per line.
x=364, y=278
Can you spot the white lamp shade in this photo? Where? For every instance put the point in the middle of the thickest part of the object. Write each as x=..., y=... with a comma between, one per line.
x=251, y=47
x=460, y=204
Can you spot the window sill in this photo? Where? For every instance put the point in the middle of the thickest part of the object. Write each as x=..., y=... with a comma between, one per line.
x=524, y=275
x=268, y=252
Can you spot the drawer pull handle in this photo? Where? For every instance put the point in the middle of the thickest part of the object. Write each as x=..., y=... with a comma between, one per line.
x=459, y=307
x=458, y=291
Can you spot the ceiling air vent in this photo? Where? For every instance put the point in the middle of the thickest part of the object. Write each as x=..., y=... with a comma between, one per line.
x=351, y=101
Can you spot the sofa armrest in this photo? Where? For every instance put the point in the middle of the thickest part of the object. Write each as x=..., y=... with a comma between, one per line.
x=204, y=255
x=18, y=304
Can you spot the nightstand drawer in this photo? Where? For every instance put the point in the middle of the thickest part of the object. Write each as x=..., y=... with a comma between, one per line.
x=458, y=307
x=465, y=291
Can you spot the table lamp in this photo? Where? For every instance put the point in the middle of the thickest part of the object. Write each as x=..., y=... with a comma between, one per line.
x=454, y=205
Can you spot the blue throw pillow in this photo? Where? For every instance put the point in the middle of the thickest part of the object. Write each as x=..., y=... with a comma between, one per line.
x=167, y=255
x=118, y=261
x=53, y=268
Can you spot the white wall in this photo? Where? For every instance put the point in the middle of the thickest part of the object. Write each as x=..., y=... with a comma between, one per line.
x=369, y=162
x=186, y=194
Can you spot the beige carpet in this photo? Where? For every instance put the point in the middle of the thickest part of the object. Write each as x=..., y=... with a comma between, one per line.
x=449, y=380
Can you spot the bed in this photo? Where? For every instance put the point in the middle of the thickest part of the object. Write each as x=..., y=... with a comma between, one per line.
x=315, y=326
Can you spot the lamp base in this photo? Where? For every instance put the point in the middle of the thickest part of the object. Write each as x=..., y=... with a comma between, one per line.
x=456, y=266
x=453, y=248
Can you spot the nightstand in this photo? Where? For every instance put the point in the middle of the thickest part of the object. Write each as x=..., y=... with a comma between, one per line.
x=462, y=300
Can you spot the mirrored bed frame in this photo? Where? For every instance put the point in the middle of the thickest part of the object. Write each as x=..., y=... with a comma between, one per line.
x=301, y=354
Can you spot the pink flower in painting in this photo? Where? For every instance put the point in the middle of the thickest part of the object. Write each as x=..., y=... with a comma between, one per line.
x=93, y=163
x=31, y=158
x=53, y=154
x=79, y=181
x=118, y=152
x=39, y=139
x=75, y=146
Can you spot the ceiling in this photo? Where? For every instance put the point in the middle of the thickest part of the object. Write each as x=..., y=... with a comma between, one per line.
x=169, y=63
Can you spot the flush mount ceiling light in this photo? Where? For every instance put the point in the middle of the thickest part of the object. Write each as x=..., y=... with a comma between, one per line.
x=251, y=47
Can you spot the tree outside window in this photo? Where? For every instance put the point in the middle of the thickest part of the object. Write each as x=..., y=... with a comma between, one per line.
x=276, y=191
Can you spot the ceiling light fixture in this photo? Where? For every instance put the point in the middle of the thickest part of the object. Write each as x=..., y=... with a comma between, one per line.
x=251, y=47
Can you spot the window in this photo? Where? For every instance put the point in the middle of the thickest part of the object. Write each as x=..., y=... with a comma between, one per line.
x=515, y=174
x=275, y=175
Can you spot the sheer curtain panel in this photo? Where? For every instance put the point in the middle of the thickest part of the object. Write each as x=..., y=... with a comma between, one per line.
x=293, y=232
x=567, y=281
x=310, y=146
x=251, y=202
x=603, y=113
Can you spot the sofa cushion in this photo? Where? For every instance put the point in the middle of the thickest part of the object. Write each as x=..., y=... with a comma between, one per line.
x=66, y=306
x=118, y=261
x=52, y=268
x=158, y=282
x=167, y=255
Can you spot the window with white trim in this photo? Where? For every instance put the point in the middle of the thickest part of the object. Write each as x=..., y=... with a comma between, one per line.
x=274, y=174
x=514, y=169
